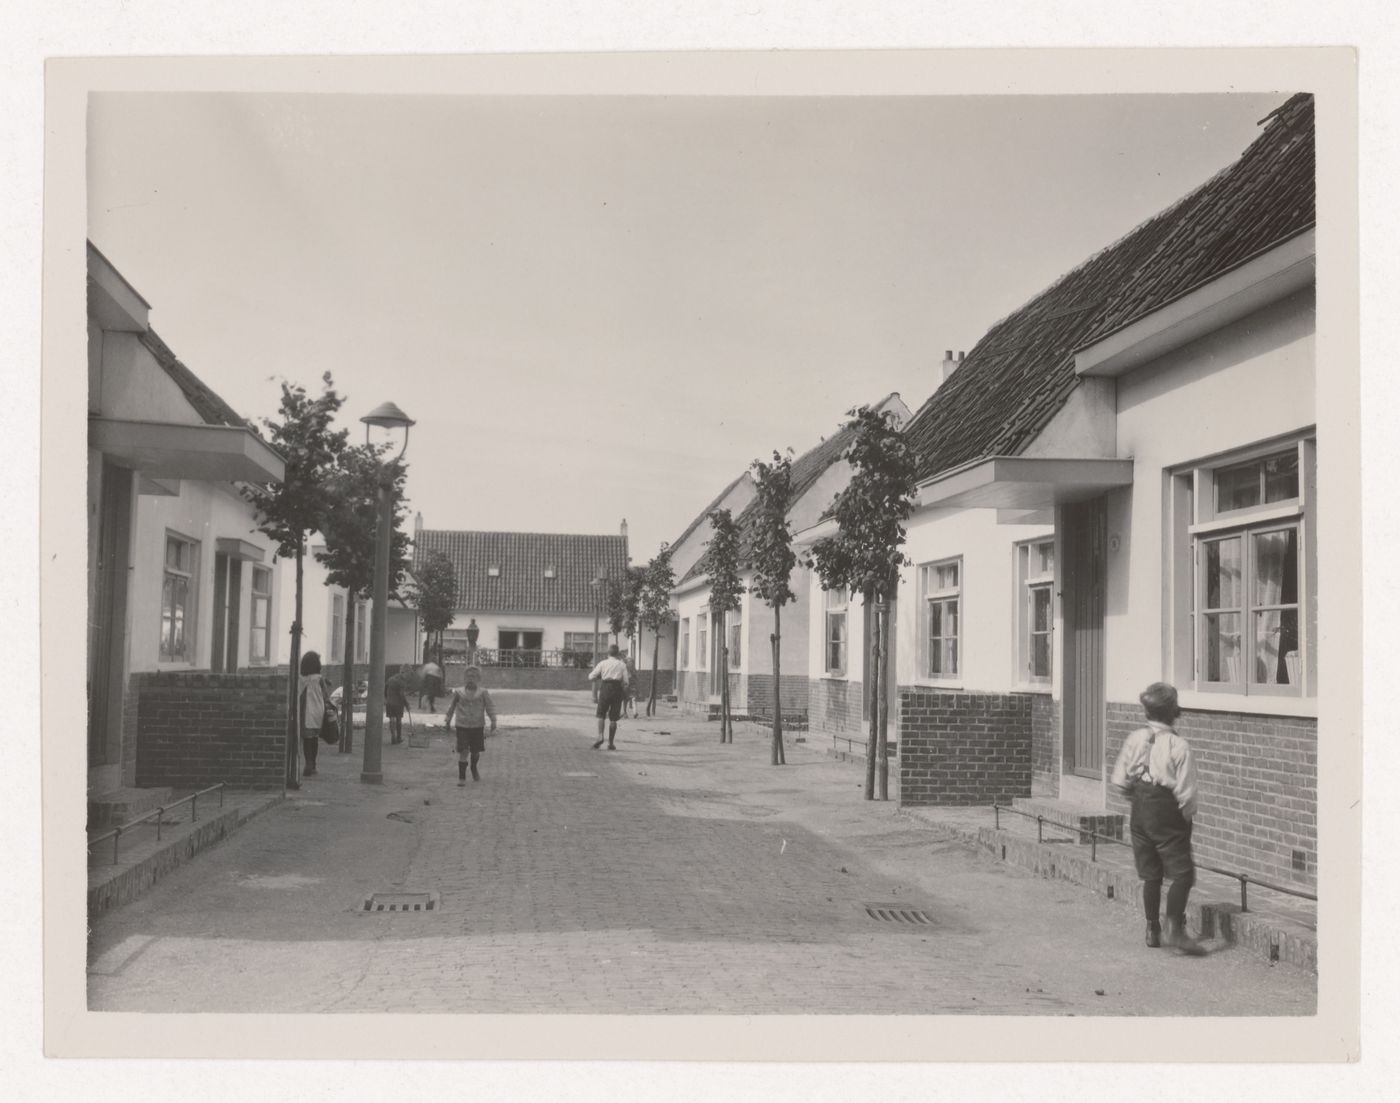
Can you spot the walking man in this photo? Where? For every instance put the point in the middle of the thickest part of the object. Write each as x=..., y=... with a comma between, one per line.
x=611, y=674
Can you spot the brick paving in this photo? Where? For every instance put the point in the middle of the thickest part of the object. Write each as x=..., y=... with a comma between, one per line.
x=674, y=875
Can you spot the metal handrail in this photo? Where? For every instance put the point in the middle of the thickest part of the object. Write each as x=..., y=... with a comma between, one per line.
x=1243, y=878
x=193, y=800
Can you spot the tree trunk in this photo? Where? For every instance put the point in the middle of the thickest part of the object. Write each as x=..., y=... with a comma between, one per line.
x=289, y=775
x=875, y=687
x=777, y=757
x=884, y=626
x=655, y=655
x=347, y=682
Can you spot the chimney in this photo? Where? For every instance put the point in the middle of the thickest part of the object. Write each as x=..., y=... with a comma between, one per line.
x=624, y=528
x=418, y=521
x=950, y=365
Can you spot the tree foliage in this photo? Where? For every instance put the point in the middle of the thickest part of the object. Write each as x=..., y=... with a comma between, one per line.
x=351, y=520
x=772, y=558
x=726, y=588
x=303, y=436
x=655, y=598
x=867, y=551
x=632, y=599
x=435, y=595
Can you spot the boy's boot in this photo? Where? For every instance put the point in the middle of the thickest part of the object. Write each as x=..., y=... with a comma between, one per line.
x=1177, y=938
x=1154, y=933
x=475, y=776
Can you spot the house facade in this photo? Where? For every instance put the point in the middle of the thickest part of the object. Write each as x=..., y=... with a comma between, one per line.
x=532, y=596
x=1118, y=487
x=817, y=477
x=179, y=578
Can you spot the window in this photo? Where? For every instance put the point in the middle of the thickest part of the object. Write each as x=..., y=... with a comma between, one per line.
x=941, y=587
x=337, y=628
x=260, y=632
x=834, y=652
x=1035, y=611
x=702, y=640
x=361, y=632
x=735, y=631
x=1246, y=619
x=177, y=595
x=583, y=643
x=685, y=644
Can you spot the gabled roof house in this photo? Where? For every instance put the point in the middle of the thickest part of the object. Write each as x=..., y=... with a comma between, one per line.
x=1117, y=487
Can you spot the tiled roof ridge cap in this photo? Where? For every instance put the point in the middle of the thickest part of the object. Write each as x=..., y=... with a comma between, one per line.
x=174, y=367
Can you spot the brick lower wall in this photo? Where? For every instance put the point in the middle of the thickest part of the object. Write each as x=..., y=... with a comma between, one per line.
x=794, y=694
x=130, y=712
x=960, y=748
x=693, y=686
x=1045, y=745
x=1257, y=789
x=834, y=705
x=195, y=729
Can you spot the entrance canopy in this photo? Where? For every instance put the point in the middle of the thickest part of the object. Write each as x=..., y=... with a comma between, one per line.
x=1024, y=483
x=207, y=453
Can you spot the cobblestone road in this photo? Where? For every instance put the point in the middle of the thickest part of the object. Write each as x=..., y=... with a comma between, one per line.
x=674, y=875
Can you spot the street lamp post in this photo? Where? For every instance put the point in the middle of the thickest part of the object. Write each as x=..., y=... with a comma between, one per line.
x=388, y=416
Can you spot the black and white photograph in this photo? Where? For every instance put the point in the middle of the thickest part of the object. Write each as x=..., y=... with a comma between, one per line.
x=773, y=557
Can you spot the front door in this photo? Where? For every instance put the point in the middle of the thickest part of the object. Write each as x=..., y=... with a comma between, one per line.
x=107, y=626
x=1084, y=539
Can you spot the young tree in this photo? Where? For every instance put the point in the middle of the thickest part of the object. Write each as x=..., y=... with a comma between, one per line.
x=773, y=561
x=655, y=609
x=435, y=597
x=288, y=510
x=349, y=526
x=615, y=603
x=867, y=553
x=722, y=566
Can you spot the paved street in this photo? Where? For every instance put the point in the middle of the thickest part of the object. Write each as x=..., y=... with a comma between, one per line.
x=674, y=875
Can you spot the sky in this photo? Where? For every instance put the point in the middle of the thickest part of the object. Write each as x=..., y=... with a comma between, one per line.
x=600, y=308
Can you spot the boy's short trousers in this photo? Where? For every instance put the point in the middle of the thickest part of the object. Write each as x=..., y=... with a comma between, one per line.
x=1161, y=834
x=393, y=710
x=610, y=700
x=471, y=739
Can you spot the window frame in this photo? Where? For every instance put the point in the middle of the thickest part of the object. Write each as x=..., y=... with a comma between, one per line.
x=361, y=631
x=735, y=630
x=1197, y=525
x=702, y=641
x=1032, y=579
x=339, y=604
x=685, y=644
x=928, y=595
x=189, y=624
x=836, y=607
x=261, y=632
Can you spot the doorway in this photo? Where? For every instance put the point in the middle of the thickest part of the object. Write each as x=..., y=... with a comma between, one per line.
x=1084, y=557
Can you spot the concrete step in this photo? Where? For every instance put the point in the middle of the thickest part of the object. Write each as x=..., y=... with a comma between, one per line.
x=120, y=806
x=1076, y=817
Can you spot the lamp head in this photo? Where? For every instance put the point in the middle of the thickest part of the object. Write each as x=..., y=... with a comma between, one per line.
x=388, y=416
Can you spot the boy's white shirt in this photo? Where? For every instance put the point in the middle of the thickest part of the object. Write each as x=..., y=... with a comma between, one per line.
x=1164, y=757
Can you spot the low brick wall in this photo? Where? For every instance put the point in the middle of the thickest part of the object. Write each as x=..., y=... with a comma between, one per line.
x=1257, y=789
x=794, y=693
x=693, y=686
x=834, y=706
x=1045, y=745
x=963, y=748
x=195, y=729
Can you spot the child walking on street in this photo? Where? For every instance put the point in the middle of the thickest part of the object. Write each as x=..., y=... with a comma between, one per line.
x=471, y=705
x=1156, y=773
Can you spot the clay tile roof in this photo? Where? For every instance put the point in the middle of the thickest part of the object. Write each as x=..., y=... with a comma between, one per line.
x=806, y=470
x=522, y=558
x=700, y=517
x=1022, y=371
x=213, y=409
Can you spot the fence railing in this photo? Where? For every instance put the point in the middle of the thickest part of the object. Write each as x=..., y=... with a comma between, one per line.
x=549, y=658
x=159, y=813
x=1244, y=879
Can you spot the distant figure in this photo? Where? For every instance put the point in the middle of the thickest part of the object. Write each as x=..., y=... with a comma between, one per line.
x=396, y=691
x=471, y=705
x=312, y=710
x=629, y=697
x=1156, y=772
x=612, y=676
x=432, y=685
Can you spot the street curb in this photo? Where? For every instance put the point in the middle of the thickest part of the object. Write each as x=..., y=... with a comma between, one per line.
x=124, y=885
x=1263, y=936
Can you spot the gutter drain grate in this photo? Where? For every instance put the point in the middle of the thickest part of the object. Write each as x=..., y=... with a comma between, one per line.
x=897, y=913
x=401, y=902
